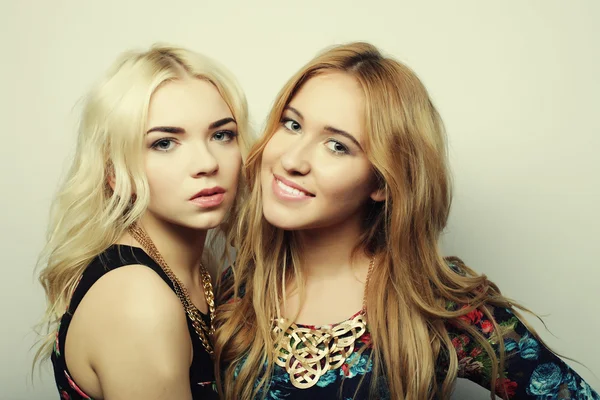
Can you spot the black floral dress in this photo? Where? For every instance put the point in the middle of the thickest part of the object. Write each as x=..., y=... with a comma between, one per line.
x=202, y=378
x=531, y=370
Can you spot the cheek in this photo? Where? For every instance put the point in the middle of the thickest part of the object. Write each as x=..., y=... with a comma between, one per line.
x=162, y=170
x=230, y=160
x=234, y=170
x=342, y=187
x=158, y=179
x=273, y=150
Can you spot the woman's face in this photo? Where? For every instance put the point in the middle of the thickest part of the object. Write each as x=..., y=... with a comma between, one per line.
x=315, y=173
x=192, y=156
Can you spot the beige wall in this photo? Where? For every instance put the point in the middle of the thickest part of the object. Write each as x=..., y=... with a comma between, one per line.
x=516, y=82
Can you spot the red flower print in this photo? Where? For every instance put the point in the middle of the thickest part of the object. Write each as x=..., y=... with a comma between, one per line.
x=456, y=343
x=476, y=351
x=487, y=326
x=505, y=387
x=76, y=388
x=459, y=343
x=464, y=339
x=366, y=338
x=473, y=317
x=345, y=369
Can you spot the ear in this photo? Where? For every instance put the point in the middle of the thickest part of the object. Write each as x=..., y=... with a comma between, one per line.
x=378, y=195
x=110, y=178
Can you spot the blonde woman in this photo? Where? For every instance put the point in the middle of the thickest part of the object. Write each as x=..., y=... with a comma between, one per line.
x=339, y=289
x=130, y=302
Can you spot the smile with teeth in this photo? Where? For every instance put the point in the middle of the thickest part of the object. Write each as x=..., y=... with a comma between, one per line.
x=290, y=190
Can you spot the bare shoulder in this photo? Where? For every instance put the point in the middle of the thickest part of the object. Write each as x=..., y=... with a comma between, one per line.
x=133, y=328
x=132, y=294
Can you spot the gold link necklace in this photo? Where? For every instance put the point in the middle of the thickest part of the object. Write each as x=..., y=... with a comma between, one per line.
x=308, y=353
x=204, y=332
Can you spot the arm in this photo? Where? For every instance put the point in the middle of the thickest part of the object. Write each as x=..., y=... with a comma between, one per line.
x=531, y=370
x=139, y=344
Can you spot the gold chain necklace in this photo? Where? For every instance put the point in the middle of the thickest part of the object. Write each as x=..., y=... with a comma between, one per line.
x=204, y=332
x=308, y=353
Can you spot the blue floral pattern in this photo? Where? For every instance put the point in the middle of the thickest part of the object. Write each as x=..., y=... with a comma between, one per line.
x=531, y=370
x=549, y=381
x=546, y=379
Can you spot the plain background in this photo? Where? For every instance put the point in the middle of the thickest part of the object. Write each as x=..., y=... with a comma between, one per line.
x=515, y=81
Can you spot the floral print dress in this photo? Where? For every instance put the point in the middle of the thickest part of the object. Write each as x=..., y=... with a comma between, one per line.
x=531, y=370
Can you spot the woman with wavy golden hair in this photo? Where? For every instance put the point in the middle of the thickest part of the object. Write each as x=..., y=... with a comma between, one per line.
x=157, y=164
x=339, y=289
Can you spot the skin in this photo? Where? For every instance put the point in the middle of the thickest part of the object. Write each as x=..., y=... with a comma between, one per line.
x=318, y=149
x=129, y=337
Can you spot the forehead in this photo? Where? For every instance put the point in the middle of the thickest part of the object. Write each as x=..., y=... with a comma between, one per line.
x=332, y=99
x=186, y=102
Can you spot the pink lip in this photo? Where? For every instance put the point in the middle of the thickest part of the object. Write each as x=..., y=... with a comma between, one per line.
x=208, y=192
x=210, y=197
x=281, y=194
x=292, y=184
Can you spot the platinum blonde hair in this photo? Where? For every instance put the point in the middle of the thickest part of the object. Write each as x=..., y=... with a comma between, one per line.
x=88, y=215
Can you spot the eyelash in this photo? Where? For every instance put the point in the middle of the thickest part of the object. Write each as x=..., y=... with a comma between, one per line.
x=284, y=121
x=232, y=135
x=166, y=139
x=345, y=150
x=337, y=152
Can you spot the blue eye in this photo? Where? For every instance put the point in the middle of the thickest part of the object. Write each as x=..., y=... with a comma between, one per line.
x=164, y=144
x=291, y=125
x=224, y=136
x=336, y=147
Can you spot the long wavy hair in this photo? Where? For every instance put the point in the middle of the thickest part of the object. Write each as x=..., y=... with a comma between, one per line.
x=87, y=215
x=411, y=285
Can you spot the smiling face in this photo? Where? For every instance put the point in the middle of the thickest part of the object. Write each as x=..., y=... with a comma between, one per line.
x=314, y=171
x=192, y=158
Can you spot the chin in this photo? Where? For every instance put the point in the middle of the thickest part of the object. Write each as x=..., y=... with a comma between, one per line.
x=285, y=222
x=204, y=222
x=205, y=227
x=213, y=223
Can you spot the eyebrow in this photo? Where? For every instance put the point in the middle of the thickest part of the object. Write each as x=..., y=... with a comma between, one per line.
x=342, y=133
x=177, y=130
x=292, y=109
x=166, y=129
x=328, y=128
x=221, y=122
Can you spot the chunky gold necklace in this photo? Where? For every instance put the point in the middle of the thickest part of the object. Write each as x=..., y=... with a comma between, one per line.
x=308, y=353
x=204, y=332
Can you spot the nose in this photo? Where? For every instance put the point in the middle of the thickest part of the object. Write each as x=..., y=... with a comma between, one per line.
x=203, y=161
x=295, y=160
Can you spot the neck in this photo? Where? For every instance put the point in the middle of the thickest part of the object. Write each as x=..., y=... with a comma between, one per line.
x=181, y=247
x=327, y=252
